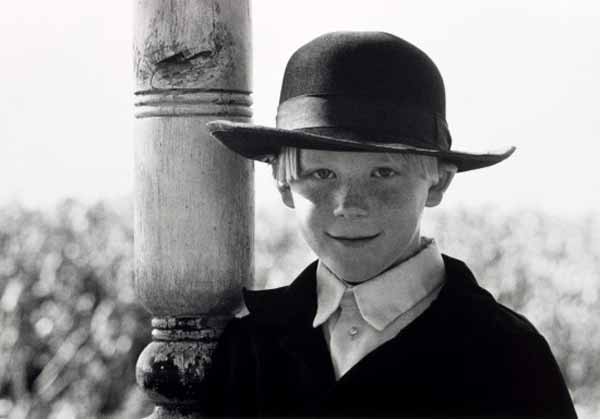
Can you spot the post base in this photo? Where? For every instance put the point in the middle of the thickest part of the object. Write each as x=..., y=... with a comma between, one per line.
x=172, y=367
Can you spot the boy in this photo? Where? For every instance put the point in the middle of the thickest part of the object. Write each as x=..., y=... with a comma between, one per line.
x=382, y=324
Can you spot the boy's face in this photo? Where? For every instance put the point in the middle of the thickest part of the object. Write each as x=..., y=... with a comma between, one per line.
x=360, y=212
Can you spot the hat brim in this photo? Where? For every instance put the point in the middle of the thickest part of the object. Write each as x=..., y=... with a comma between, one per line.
x=263, y=143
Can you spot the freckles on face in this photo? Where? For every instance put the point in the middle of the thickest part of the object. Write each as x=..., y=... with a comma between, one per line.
x=312, y=207
x=394, y=197
x=357, y=220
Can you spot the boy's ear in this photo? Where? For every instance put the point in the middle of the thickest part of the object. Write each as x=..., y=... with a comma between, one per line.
x=286, y=194
x=436, y=191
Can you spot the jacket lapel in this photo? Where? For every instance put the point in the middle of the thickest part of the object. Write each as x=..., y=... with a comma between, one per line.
x=304, y=354
x=309, y=361
x=423, y=364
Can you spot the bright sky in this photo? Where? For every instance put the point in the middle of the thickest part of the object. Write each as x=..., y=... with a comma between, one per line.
x=521, y=73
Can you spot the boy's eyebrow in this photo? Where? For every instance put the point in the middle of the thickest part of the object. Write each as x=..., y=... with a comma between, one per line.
x=313, y=162
x=302, y=169
x=390, y=158
x=378, y=160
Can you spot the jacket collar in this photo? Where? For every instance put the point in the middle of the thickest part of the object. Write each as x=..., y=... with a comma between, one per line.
x=295, y=303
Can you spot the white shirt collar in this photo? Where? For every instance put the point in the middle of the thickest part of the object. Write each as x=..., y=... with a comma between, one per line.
x=385, y=297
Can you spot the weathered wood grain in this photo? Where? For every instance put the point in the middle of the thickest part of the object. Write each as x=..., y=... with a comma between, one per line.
x=193, y=211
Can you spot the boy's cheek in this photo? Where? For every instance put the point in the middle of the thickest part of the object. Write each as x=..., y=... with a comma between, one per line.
x=308, y=219
x=398, y=198
x=314, y=195
x=311, y=206
x=313, y=239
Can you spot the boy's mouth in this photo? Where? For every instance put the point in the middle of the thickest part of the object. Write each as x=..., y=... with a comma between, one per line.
x=353, y=240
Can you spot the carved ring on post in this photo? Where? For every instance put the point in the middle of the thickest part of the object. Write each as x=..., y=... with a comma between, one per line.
x=193, y=102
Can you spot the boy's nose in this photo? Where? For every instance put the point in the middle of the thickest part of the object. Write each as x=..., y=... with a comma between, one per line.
x=350, y=203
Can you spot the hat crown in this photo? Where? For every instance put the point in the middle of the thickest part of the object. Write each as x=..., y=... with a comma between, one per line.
x=374, y=65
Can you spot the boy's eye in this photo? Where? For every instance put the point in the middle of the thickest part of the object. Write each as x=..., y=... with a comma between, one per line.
x=323, y=174
x=384, y=172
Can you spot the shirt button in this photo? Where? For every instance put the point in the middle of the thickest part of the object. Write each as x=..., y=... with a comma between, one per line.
x=353, y=331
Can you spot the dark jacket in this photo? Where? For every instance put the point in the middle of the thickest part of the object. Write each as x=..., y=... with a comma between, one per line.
x=465, y=355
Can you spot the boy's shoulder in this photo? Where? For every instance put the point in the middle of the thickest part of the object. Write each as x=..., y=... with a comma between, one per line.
x=473, y=306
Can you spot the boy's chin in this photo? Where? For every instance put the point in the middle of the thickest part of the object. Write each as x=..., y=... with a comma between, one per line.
x=356, y=271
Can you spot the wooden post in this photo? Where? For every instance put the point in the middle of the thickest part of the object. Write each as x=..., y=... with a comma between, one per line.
x=193, y=198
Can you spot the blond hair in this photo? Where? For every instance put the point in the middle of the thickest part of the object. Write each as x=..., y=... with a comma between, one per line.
x=286, y=166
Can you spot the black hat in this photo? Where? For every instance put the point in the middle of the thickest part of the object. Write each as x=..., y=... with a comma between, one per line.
x=357, y=91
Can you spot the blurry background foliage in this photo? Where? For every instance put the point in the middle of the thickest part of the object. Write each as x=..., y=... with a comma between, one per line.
x=71, y=330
